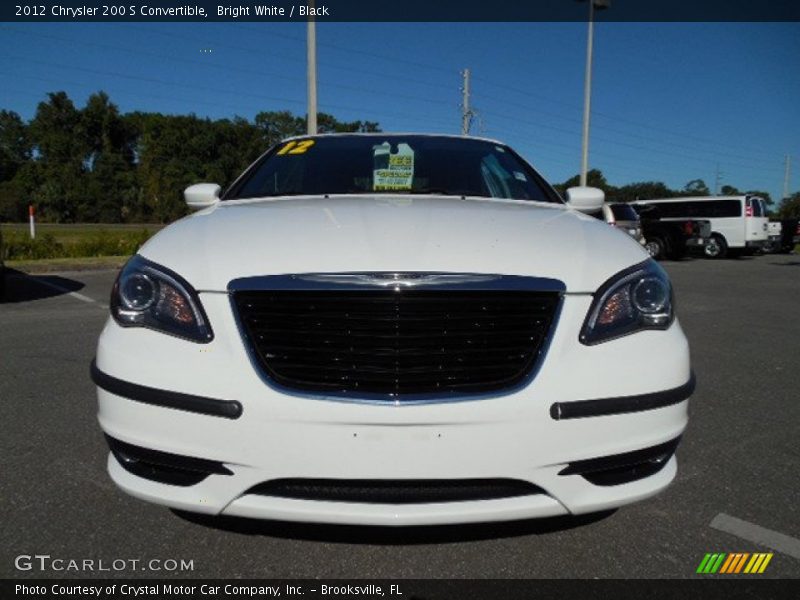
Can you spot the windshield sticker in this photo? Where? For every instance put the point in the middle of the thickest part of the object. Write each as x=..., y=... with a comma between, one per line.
x=295, y=147
x=520, y=176
x=392, y=171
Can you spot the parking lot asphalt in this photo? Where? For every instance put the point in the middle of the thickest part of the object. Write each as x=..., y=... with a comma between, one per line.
x=739, y=458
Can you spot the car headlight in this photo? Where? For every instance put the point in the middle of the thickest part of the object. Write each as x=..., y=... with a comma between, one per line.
x=636, y=299
x=146, y=294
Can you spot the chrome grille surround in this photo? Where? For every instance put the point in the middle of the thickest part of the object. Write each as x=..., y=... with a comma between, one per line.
x=396, y=291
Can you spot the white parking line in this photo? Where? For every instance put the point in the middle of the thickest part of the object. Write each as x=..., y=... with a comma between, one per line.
x=64, y=290
x=758, y=535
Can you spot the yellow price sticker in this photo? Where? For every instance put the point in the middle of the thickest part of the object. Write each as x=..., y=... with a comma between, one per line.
x=295, y=147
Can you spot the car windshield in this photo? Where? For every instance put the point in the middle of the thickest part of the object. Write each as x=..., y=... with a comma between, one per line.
x=396, y=164
x=624, y=212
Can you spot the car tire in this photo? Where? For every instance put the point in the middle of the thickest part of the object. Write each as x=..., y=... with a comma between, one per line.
x=656, y=247
x=716, y=247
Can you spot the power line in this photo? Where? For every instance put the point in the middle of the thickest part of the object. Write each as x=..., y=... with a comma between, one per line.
x=234, y=68
x=395, y=95
x=706, y=159
x=595, y=113
x=549, y=149
x=390, y=58
x=394, y=59
x=350, y=69
x=139, y=94
x=606, y=158
x=495, y=84
x=649, y=138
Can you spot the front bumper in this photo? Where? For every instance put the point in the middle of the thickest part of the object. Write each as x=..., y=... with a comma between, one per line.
x=277, y=435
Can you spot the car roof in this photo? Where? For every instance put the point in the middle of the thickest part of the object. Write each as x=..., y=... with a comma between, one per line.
x=695, y=198
x=394, y=134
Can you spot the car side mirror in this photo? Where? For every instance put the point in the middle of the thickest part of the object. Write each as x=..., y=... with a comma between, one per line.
x=585, y=199
x=201, y=195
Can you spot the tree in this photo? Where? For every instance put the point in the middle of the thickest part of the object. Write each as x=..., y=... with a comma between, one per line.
x=790, y=208
x=729, y=190
x=60, y=150
x=328, y=124
x=96, y=164
x=16, y=167
x=15, y=147
x=644, y=190
x=275, y=126
x=594, y=178
x=173, y=152
x=15, y=195
x=765, y=195
x=696, y=187
x=110, y=186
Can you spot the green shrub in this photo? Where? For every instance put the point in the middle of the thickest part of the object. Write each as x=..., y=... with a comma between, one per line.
x=108, y=243
x=19, y=246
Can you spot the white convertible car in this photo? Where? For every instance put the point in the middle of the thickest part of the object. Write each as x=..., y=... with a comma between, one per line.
x=392, y=330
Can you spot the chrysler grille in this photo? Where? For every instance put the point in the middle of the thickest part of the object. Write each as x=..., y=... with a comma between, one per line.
x=396, y=343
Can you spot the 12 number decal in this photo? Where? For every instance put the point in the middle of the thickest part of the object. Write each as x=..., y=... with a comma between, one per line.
x=296, y=147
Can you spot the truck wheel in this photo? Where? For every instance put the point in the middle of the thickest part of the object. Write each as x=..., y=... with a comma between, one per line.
x=655, y=247
x=716, y=247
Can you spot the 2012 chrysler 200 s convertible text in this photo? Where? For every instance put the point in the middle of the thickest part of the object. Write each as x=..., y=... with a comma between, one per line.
x=393, y=330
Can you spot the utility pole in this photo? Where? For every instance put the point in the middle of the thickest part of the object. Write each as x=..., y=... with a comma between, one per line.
x=311, y=50
x=587, y=88
x=466, y=111
x=587, y=98
x=786, y=171
x=717, y=178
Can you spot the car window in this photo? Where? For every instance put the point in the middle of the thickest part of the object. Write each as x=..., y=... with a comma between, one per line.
x=758, y=210
x=624, y=212
x=393, y=164
x=696, y=209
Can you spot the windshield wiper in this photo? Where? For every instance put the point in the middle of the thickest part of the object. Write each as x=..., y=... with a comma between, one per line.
x=438, y=191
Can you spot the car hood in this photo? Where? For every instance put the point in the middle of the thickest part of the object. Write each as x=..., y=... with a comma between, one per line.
x=314, y=234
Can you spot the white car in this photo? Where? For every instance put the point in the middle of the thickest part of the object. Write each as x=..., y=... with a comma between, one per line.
x=392, y=329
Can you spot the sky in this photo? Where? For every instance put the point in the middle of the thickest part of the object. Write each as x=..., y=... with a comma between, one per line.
x=671, y=102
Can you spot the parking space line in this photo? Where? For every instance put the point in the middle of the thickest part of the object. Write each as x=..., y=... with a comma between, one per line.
x=751, y=532
x=64, y=290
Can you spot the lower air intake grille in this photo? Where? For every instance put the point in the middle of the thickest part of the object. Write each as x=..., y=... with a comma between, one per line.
x=397, y=343
x=411, y=491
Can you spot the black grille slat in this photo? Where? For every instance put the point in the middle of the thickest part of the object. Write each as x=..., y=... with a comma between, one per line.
x=377, y=318
x=348, y=330
x=396, y=343
x=366, y=369
x=381, y=351
x=383, y=491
